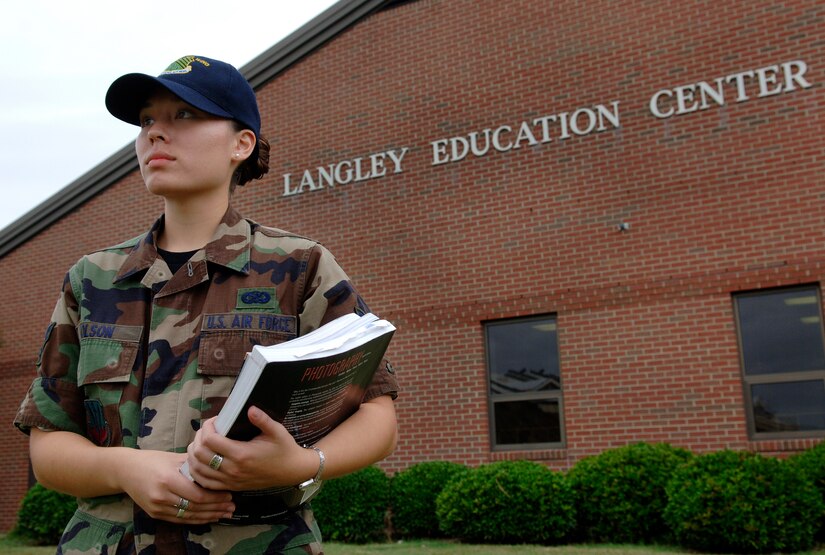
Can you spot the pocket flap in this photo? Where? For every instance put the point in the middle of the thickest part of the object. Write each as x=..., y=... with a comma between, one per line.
x=105, y=360
x=107, y=352
x=221, y=353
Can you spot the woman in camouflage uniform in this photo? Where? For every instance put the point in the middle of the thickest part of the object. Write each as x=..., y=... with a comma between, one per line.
x=148, y=336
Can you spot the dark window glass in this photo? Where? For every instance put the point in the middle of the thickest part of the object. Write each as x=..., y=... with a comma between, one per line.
x=781, y=332
x=523, y=356
x=527, y=422
x=784, y=407
x=525, y=383
x=783, y=361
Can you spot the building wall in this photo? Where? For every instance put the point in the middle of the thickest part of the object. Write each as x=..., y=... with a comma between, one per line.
x=718, y=200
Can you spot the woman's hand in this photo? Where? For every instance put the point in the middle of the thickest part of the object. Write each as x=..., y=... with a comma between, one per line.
x=270, y=459
x=154, y=482
x=70, y=463
x=274, y=459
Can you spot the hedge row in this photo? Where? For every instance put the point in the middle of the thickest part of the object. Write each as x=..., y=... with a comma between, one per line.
x=732, y=502
x=43, y=514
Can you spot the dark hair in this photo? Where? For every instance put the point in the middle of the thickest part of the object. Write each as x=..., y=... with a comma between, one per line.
x=254, y=167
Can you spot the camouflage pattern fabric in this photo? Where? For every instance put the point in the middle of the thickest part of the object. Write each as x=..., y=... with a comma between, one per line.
x=137, y=357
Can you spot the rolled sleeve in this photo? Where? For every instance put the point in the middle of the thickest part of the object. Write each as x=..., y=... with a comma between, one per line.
x=51, y=404
x=384, y=382
x=54, y=400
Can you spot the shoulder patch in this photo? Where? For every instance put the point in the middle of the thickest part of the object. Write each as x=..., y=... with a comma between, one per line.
x=49, y=331
x=96, y=425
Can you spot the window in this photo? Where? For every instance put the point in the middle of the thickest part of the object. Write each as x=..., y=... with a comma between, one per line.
x=783, y=362
x=525, y=383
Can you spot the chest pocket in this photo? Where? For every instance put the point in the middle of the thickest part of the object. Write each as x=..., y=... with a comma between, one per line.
x=224, y=342
x=104, y=369
x=107, y=352
x=226, y=338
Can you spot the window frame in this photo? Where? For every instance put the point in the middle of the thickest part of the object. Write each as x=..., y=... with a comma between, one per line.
x=778, y=377
x=551, y=394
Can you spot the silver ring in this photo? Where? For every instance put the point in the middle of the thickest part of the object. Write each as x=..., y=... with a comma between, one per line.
x=216, y=462
x=180, y=512
x=183, y=504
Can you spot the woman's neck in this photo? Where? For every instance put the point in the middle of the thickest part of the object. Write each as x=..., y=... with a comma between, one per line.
x=190, y=225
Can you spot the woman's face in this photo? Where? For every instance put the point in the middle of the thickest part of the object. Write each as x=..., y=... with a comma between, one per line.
x=184, y=151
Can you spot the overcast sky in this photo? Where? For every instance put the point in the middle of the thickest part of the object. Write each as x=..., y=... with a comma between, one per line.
x=60, y=57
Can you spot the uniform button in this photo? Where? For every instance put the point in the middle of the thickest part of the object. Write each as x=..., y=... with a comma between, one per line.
x=218, y=354
x=112, y=363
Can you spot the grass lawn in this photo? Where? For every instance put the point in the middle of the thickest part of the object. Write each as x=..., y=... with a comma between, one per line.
x=433, y=547
x=11, y=546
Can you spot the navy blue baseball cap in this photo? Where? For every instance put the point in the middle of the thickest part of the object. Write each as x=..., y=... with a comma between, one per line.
x=210, y=85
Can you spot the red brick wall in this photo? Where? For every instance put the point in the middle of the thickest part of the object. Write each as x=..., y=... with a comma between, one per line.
x=718, y=201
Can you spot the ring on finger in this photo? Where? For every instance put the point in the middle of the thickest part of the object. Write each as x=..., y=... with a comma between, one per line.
x=183, y=504
x=215, y=463
x=181, y=510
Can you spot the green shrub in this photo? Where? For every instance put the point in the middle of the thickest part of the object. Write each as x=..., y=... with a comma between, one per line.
x=507, y=502
x=812, y=463
x=352, y=508
x=620, y=493
x=744, y=503
x=412, y=497
x=43, y=514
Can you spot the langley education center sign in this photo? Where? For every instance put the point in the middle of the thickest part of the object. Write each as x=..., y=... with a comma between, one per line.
x=737, y=87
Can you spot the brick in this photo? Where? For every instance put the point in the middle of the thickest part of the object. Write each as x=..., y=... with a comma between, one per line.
x=719, y=201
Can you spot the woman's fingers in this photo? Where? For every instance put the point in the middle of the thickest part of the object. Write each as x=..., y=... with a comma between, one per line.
x=195, y=513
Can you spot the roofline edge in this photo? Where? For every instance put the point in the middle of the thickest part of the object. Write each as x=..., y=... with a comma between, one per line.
x=260, y=70
x=67, y=199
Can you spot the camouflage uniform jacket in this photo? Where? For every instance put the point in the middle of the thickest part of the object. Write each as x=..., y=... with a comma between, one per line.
x=137, y=357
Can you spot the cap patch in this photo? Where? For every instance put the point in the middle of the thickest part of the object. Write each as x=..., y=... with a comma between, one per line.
x=183, y=65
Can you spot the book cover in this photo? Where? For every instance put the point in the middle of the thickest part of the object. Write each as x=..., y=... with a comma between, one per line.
x=310, y=385
x=309, y=393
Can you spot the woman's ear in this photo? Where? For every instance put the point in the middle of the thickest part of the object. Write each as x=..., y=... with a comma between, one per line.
x=244, y=145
